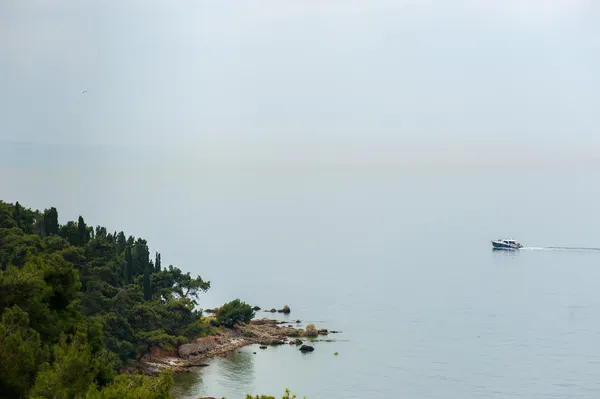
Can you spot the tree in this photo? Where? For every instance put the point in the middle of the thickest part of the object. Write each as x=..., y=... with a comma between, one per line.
x=141, y=256
x=70, y=233
x=128, y=266
x=173, y=280
x=233, y=312
x=157, y=338
x=82, y=232
x=157, y=266
x=135, y=387
x=75, y=369
x=147, y=286
x=51, y=221
x=121, y=242
x=192, y=286
x=17, y=215
x=101, y=232
x=20, y=352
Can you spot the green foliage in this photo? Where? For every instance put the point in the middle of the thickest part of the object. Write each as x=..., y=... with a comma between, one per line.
x=50, y=221
x=77, y=304
x=234, y=311
x=147, y=286
x=157, y=338
x=157, y=263
x=75, y=368
x=21, y=351
x=287, y=395
x=135, y=387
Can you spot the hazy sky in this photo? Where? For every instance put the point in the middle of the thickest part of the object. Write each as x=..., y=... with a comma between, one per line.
x=307, y=80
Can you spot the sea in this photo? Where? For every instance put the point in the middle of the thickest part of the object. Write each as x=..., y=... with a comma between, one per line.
x=399, y=260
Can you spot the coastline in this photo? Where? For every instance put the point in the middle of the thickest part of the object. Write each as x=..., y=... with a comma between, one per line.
x=264, y=332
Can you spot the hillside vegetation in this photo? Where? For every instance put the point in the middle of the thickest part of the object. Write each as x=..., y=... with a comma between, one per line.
x=78, y=304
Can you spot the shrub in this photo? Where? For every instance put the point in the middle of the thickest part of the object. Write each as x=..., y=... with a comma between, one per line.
x=287, y=395
x=234, y=311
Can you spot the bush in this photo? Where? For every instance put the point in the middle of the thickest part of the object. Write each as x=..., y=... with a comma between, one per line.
x=234, y=311
x=287, y=395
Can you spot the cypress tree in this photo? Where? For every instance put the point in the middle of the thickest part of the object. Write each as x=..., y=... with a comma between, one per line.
x=157, y=263
x=17, y=214
x=51, y=221
x=128, y=266
x=147, y=286
x=121, y=241
x=82, y=232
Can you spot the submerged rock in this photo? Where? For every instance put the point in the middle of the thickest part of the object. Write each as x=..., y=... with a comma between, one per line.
x=263, y=347
x=306, y=348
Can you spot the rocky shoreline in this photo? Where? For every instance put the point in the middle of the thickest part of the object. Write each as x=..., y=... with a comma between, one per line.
x=264, y=332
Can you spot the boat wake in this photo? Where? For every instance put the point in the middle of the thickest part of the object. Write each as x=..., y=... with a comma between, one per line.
x=561, y=249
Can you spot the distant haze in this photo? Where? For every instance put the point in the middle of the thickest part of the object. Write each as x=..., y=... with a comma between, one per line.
x=245, y=83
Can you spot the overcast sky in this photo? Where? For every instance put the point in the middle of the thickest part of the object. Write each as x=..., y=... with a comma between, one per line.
x=306, y=80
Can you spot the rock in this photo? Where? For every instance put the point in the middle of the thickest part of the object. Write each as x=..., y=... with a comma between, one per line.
x=298, y=322
x=201, y=346
x=323, y=331
x=272, y=341
x=311, y=331
x=335, y=354
x=306, y=348
x=285, y=310
x=290, y=326
x=263, y=347
x=335, y=332
x=256, y=308
x=263, y=321
x=254, y=353
x=296, y=342
x=271, y=311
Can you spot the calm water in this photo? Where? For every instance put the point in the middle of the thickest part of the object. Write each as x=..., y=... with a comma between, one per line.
x=400, y=262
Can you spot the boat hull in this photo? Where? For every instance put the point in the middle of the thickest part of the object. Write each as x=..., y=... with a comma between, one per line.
x=501, y=245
